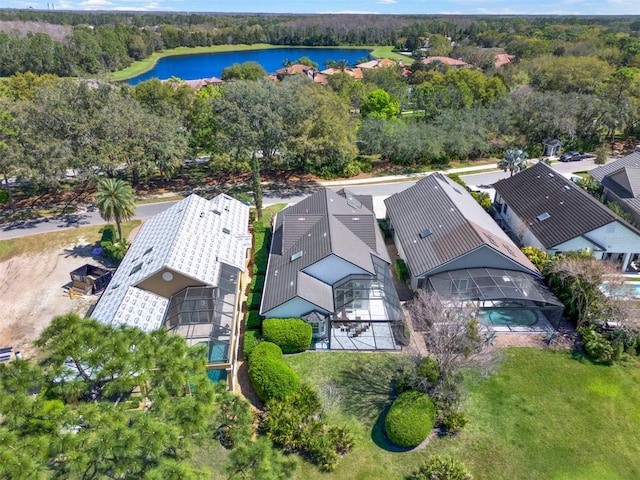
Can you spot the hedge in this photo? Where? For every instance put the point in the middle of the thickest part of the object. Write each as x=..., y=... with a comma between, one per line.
x=410, y=419
x=257, y=283
x=290, y=334
x=253, y=320
x=270, y=377
x=253, y=301
x=251, y=340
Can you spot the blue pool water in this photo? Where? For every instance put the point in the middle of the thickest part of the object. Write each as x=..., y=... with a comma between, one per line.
x=217, y=375
x=192, y=67
x=629, y=289
x=507, y=317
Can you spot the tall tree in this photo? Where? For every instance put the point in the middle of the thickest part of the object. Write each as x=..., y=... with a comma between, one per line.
x=115, y=201
x=7, y=132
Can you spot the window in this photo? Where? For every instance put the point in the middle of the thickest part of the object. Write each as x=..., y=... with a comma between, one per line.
x=226, y=230
x=425, y=233
x=543, y=216
x=460, y=285
x=296, y=255
x=147, y=251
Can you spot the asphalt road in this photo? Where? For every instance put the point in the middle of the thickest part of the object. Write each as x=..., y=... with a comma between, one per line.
x=92, y=216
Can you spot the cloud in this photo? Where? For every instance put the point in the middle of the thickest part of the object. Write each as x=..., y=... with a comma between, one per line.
x=386, y=2
x=95, y=3
x=349, y=12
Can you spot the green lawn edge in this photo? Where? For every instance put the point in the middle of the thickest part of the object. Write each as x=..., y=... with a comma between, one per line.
x=536, y=413
x=143, y=66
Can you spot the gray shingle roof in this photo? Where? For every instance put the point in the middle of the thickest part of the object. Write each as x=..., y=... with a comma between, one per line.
x=554, y=208
x=457, y=224
x=323, y=224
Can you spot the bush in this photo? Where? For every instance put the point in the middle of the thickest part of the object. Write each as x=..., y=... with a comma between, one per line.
x=253, y=301
x=292, y=335
x=401, y=269
x=453, y=420
x=253, y=320
x=294, y=424
x=251, y=340
x=596, y=345
x=410, y=419
x=269, y=375
x=441, y=468
x=108, y=235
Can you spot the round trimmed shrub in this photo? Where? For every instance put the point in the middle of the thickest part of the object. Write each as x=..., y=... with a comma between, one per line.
x=269, y=375
x=410, y=419
x=292, y=335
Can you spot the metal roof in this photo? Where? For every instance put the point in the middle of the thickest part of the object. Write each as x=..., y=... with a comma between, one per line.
x=572, y=212
x=456, y=222
x=622, y=178
x=190, y=238
x=325, y=223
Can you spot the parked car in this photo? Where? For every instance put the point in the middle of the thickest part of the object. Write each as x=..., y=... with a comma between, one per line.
x=572, y=156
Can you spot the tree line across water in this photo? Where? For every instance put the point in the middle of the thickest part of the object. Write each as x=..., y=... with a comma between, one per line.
x=84, y=43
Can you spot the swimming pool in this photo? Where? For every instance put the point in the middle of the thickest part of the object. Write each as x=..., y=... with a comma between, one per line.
x=628, y=290
x=507, y=317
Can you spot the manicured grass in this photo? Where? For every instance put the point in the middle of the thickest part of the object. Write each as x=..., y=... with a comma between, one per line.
x=544, y=414
x=387, y=52
x=38, y=243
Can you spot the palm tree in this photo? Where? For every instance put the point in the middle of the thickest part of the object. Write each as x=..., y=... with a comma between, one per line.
x=115, y=201
x=514, y=161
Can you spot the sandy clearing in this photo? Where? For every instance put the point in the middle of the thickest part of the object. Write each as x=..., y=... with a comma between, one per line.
x=33, y=291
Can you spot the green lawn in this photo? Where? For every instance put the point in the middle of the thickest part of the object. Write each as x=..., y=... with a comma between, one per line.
x=544, y=414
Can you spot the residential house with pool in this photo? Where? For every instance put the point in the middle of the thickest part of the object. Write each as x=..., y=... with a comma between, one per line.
x=452, y=246
x=183, y=272
x=548, y=211
x=328, y=264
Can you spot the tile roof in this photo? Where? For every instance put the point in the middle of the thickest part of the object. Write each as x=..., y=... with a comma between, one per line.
x=452, y=62
x=190, y=238
x=377, y=63
x=437, y=221
x=502, y=59
x=554, y=208
x=323, y=224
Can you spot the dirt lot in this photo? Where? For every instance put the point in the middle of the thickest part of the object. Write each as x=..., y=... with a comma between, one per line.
x=33, y=290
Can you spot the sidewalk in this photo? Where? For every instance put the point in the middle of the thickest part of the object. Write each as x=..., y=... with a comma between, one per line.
x=338, y=183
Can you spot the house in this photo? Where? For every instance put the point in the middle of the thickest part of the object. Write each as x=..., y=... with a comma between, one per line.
x=328, y=265
x=620, y=180
x=196, y=84
x=377, y=63
x=502, y=59
x=183, y=272
x=451, y=62
x=451, y=245
x=299, y=69
x=356, y=73
x=546, y=210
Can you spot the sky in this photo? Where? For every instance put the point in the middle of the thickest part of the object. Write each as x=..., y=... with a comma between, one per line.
x=468, y=7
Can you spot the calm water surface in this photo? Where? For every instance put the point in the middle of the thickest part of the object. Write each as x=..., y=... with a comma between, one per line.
x=191, y=67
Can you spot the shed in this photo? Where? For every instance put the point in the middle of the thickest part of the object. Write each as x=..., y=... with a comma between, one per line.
x=550, y=147
x=90, y=278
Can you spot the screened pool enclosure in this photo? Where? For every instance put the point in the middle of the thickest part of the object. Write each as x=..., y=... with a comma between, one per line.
x=507, y=300
x=205, y=315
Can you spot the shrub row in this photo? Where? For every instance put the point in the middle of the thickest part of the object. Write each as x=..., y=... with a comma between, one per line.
x=609, y=345
x=410, y=419
x=253, y=301
x=294, y=424
x=292, y=335
x=270, y=377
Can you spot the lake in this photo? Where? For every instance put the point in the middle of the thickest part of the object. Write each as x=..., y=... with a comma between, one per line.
x=206, y=65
